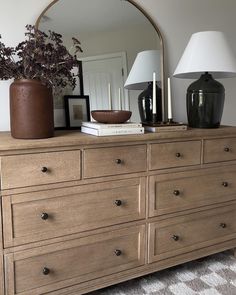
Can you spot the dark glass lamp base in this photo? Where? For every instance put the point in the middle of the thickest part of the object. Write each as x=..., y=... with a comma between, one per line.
x=205, y=103
x=145, y=104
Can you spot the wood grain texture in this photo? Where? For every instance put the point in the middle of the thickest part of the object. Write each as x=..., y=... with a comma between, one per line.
x=177, y=154
x=1, y=232
x=75, y=242
x=75, y=138
x=26, y=170
x=220, y=150
x=173, y=192
x=116, y=160
x=75, y=261
x=143, y=270
x=71, y=210
x=1, y=275
x=1, y=252
x=193, y=231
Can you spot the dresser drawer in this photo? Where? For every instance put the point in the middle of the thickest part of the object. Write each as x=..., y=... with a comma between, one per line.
x=194, y=231
x=219, y=150
x=41, y=168
x=115, y=160
x=175, y=192
x=175, y=154
x=42, y=215
x=1, y=274
x=52, y=267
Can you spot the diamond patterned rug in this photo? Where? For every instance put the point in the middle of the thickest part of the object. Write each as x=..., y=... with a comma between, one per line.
x=212, y=275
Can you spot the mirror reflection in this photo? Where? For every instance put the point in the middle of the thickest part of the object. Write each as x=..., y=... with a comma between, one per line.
x=112, y=33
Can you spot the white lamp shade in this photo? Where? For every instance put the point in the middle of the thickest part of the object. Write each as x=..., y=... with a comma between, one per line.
x=146, y=63
x=207, y=52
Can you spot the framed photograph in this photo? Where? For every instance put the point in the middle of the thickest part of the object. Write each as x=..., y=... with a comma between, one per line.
x=76, y=110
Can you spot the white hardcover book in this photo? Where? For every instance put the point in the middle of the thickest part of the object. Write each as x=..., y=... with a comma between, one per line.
x=97, y=125
x=112, y=131
x=165, y=128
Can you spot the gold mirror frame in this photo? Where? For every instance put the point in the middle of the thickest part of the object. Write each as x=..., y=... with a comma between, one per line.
x=156, y=29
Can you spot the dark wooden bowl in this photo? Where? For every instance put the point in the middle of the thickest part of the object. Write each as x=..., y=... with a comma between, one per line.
x=111, y=117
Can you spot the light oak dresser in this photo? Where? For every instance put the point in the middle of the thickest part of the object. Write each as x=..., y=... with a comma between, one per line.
x=81, y=212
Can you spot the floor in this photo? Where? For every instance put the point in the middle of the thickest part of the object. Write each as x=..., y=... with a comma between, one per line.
x=212, y=275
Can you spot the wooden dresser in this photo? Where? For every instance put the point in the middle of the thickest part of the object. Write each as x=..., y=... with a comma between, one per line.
x=82, y=212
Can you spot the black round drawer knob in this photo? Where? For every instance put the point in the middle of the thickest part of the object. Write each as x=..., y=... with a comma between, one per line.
x=44, y=169
x=46, y=271
x=118, y=202
x=117, y=252
x=223, y=225
x=226, y=149
x=118, y=161
x=175, y=237
x=176, y=192
x=225, y=183
x=44, y=216
x=178, y=155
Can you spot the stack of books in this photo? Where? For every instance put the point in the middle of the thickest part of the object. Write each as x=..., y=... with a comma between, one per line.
x=101, y=129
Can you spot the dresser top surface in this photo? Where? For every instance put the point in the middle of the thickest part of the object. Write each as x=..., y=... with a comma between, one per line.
x=76, y=138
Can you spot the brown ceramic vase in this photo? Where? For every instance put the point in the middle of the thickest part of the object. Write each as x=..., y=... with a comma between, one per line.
x=31, y=110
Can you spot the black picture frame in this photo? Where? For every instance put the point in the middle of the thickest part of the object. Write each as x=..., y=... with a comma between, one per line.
x=77, y=110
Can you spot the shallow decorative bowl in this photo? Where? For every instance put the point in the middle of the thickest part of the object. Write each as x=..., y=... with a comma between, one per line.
x=111, y=117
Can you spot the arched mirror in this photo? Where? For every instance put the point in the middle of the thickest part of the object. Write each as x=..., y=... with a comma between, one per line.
x=112, y=33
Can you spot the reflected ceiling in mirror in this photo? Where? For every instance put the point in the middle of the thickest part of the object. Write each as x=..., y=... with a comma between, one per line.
x=114, y=31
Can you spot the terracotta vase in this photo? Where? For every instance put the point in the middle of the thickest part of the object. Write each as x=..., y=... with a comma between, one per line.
x=31, y=110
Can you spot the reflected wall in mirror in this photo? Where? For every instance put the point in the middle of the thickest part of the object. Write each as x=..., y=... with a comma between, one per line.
x=112, y=33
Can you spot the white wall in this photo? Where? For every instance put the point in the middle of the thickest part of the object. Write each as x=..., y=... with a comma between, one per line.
x=14, y=15
x=177, y=20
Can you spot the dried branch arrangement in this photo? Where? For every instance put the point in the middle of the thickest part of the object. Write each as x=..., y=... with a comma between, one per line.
x=42, y=57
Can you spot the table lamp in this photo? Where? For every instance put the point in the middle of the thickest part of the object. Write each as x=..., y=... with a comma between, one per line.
x=207, y=55
x=145, y=73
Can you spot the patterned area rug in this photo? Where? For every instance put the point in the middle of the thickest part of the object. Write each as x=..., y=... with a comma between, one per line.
x=212, y=275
